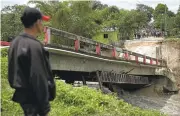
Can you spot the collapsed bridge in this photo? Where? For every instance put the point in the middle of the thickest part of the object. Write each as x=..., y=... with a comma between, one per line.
x=78, y=58
x=74, y=57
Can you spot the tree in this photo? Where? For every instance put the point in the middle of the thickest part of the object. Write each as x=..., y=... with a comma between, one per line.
x=160, y=9
x=85, y=18
x=165, y=19
x=146, y=9
x=170, y=14
x=10, y=21
x=171, y=26
x=131, y=22
x=177, y=21
x=178, y=11
x=110, y=17
x=177, y=24
x=96, y=5
x=82, y=21
x=72, y=16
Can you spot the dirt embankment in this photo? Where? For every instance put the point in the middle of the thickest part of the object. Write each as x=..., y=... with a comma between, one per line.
x=147, y=48
x=171, y=53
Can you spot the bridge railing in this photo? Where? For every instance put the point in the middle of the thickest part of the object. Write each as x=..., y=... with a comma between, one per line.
x=69, y=41
x=4, y=43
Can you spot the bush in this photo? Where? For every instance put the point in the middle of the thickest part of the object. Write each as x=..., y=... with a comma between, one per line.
x=73, y=101
x=4, y=68
x=9, y=108
x=4, y=52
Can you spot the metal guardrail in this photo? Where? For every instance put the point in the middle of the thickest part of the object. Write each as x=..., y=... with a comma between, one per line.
x=86, y=45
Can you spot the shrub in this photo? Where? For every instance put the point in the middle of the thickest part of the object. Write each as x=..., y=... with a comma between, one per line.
x=4, y=52
x=9, y=108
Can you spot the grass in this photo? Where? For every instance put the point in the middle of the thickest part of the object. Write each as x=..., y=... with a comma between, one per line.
x=175, y=42
x=170, y=39
x=73, y=101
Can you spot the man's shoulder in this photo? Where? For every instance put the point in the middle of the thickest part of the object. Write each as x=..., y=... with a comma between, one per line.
x=35, y=44
x=27, y=42
x=29, y=39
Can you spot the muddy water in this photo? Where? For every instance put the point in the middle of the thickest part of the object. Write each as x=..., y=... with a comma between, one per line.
x=172, y=106
x=168, y=104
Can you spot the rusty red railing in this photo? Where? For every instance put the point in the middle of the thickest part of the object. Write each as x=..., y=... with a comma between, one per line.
x=85, y=45
x=4, y=43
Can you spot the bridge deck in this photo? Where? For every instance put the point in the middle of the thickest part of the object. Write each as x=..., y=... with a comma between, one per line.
x=65, y=60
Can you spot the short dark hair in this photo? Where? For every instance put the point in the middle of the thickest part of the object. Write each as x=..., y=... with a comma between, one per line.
x=30, y=16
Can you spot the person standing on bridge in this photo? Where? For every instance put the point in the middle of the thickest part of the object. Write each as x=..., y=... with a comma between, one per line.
x=29, y=71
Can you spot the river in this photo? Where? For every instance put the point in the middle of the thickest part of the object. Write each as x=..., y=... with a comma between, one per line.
x=168, y=104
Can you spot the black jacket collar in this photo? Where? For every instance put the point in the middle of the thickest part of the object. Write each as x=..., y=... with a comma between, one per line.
x=27, y=35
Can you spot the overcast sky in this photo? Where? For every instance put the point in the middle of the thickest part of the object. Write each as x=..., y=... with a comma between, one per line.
x=173, y=5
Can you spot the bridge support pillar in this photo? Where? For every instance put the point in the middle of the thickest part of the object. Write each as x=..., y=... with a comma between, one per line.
x=83, y=80
x=99, y=80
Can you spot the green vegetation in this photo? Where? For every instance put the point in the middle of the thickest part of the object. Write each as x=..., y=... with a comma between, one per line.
x=85, y=18
x=4, y=52
x=11, y=23
x=173, y=40
x=165, y=20
x=73, y=101
x=89, y=18
x=9, y=108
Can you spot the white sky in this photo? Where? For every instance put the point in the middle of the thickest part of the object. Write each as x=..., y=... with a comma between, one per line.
x=173, y=5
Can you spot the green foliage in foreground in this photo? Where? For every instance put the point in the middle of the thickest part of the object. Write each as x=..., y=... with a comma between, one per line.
x=4, y=52
x=73, y=101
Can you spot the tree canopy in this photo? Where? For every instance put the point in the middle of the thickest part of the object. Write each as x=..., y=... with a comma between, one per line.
x=10, y=21
x=87, y=18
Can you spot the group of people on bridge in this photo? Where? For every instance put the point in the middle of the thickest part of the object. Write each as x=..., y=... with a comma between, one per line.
x=148, y=33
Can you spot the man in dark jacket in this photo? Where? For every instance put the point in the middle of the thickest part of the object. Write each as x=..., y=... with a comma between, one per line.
x=29, y=71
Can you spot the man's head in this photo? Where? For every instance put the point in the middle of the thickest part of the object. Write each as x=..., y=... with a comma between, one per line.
x=32, y=19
